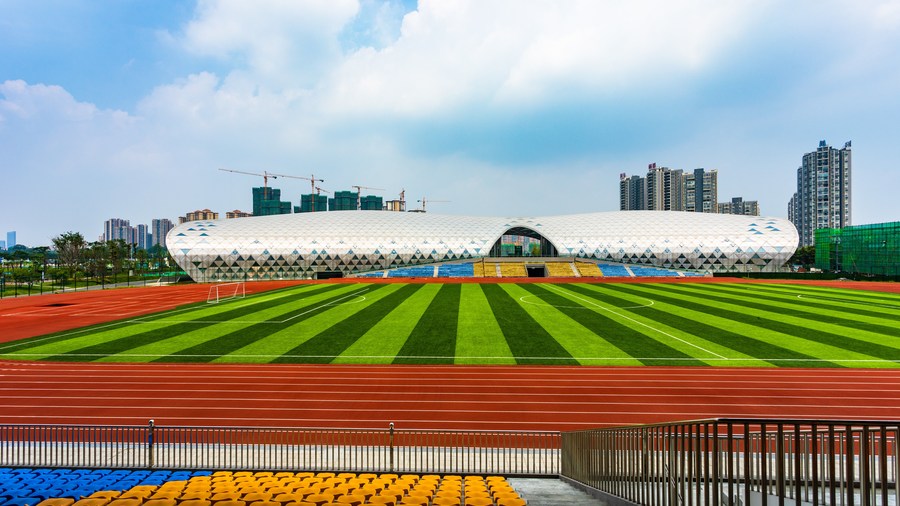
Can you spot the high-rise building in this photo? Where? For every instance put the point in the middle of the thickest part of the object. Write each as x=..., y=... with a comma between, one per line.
x=343, y=201
x=371, y=203
x=10, y=239
x=159, y=227
x=631, y=192
x=823, y=192
x=141, y=238
x=267, y=202
x=665, y=189
x=739, y=206
x=204, y=214
x=237, y=213
x=2, y=245
x=311, y=202
x=115, y=229
x=701, y=191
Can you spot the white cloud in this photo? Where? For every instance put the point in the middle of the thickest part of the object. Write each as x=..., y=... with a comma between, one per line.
x=505, y=52
x=284, y=42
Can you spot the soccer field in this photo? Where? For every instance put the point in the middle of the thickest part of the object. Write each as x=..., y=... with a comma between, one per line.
x=700, y=324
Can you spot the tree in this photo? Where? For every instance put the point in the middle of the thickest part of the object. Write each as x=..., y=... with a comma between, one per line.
x=70, y=248
x=804, y=256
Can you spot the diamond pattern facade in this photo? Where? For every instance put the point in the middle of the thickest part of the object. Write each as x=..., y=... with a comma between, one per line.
x=296, y=246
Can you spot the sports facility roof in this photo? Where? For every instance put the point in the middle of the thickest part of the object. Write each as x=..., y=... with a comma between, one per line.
x=302, y=245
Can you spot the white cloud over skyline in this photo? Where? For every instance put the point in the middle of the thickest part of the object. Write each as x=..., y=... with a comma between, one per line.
x=500, y=107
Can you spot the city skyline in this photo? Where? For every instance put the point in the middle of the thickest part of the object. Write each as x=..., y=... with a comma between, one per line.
x=501, y=108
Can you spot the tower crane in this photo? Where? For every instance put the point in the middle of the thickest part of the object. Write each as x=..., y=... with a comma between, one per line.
x=359, y=192
x=265, y=175
x=422, y=200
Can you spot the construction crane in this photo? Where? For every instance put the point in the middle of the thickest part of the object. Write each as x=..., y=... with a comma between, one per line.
x=265, y=175
x=359, y=192
x=319, y=190
x=422, y=200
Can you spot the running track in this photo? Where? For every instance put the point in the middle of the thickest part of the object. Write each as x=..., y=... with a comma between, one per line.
x=428, y=397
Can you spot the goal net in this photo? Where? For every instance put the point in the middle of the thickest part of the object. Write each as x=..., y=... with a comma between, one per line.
x=225, y=291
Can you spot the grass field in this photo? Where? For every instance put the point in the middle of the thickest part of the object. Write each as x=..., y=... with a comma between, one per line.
x=578, y=323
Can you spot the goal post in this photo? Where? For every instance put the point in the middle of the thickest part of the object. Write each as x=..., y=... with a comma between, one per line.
x=225, y=291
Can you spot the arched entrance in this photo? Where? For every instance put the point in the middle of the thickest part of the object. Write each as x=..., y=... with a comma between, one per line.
x=522, y=242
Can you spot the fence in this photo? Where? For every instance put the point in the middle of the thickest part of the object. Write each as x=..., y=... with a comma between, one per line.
x=283, y=449
x=740, y=461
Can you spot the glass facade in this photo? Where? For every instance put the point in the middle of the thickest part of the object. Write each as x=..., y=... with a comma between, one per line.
x=864, y=249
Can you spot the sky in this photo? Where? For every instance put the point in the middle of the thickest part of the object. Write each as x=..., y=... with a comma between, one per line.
x=128, y=108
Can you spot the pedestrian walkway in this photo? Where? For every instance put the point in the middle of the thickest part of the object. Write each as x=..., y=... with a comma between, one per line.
x=551, y=492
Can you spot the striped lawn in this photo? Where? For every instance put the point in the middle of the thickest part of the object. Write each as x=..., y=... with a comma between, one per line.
x=579, y=323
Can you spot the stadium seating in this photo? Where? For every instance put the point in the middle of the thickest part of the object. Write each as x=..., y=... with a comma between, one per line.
x=66, y=487
x=466, y=270
x=559, y=270
x=645, y=271
x=614, y=270
x=478, y=270
x=513, y=270
x=587, y=270
x=422, y=271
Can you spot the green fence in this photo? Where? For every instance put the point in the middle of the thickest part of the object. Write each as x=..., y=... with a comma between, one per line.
x=864, y=249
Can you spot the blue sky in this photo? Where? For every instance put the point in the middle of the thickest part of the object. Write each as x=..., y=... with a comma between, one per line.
x=128, y=108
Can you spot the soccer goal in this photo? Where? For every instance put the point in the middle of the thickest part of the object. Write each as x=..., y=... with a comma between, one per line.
x=225, y=291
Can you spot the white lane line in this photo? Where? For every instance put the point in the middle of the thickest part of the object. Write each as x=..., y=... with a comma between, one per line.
x=566, y=292
x=849, y=301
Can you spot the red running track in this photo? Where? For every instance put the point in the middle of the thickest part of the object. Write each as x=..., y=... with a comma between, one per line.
x=432, y=397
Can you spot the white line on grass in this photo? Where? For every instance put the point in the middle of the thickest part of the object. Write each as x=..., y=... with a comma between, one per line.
x=522, y=299
x=850, y=301
x=620, y=315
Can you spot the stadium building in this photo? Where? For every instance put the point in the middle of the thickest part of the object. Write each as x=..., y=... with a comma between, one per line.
x=317, y=245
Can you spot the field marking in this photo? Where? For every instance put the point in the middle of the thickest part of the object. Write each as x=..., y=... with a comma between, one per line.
x=253, y=322
x=566, y=292
x=522, y=299
x=849, y=301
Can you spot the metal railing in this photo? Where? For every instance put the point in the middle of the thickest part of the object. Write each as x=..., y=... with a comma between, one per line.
x=740, y=461
x=283, y=449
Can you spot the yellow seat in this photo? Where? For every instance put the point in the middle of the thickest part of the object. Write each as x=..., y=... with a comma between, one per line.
x=92, y=501
x=387, y=500
x=367, y=476
x=57, y=501
x=415, y=500
x=195, y=494
x=478, y=501
x=256, y=495
x=162, y=501
x=106, y=494
x=287, y=497
x=352, y=499
x=511, y=501
x=195, y=502
x=127, y=501
x=166, y=494
x=225, y=496
x=264, y=503
x=319, y=499
x=447, y=501
x=230, y=502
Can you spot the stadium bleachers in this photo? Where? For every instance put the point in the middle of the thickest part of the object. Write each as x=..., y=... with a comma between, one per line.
x=478, y=270
x=456, y=271
x=614, y=270
x=587, y=270
x=560, y=270
x=513, y=270
x=422, y=271
x=82, y=487
x=642, y=271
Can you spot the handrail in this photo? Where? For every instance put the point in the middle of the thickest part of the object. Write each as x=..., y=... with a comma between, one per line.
x=527, y=453
x=740, y=461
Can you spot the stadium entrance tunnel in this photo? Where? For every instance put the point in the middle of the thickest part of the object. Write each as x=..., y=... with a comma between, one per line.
x=522, y=242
